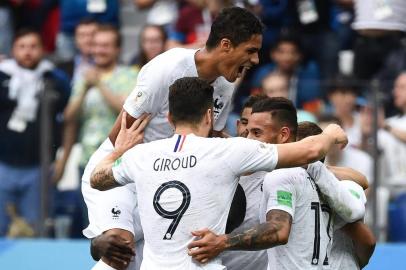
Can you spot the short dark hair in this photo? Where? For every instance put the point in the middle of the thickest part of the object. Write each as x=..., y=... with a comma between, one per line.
x=25, y=32
x=251, y=100
x=343, y=83
x=113, y=29
x=329, y=118
x=281, y=109
x=306, y=129
x=289, y=37
x=189, y=99
x=235, y=23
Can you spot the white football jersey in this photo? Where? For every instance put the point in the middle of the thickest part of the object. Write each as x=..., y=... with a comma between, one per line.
x=242, y=259
x=342, y=253
x=293, y=191
x=187, y=183
x=150, y=95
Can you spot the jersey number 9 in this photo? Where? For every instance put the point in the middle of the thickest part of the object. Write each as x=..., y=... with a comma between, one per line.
x=176, y=214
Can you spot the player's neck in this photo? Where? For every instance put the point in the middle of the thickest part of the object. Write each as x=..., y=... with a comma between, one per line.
x=186, y=130
x=206, y=65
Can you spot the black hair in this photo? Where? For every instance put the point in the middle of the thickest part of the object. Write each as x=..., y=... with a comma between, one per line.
x=288, y=37
x=281, y=109
x=251, y=100
x=25, y=32
x=343, y=83
x=306, y=129
x=236, y=24
x=329, y=118
x=189, y=99
x=113, y=29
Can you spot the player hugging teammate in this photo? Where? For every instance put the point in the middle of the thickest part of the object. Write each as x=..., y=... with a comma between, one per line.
x=175, y=190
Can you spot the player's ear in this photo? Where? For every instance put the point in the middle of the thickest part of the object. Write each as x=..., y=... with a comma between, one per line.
x=208, y=117
x=284, y=134
x=225, y=44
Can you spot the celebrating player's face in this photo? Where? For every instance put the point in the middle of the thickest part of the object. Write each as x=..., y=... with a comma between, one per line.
x=262, y=128
x=241, y=58
x=243, y=122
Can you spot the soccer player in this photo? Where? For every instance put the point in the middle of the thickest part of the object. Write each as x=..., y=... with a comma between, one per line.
x=353, y=243
x=187, y=181
x=244, y=211
x=290, y=203
x=245, y=114
x=231, y=49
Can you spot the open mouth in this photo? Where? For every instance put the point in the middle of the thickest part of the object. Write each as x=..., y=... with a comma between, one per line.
x=242, y=70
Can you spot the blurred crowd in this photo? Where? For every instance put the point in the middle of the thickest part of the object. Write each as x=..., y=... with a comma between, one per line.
x=62, y=85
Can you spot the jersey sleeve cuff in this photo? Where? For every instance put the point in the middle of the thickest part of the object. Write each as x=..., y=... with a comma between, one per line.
x=286, y=209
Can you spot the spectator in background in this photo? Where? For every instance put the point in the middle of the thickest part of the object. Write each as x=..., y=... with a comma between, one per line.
x=152, y=43
x=97, y=98
x=6, y=28
x=379, y=25
x=391, y=136
x=276, y=84
x=342, y=96
x=72, y=12
x=160, y=12
x=275, y=16
x=313, y=22
x=304, y=77
x=82, y=60
x=21, y=98
x=193, y=25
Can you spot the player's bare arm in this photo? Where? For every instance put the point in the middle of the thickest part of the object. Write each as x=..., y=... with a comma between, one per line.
x=275, y=231
x=117, y=125
x=363, y=239
x=345, y=173
x=102, y=176
x=311, y=148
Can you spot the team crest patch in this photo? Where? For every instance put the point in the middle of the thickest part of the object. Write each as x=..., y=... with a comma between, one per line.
x=116, y=212
x=284, y=198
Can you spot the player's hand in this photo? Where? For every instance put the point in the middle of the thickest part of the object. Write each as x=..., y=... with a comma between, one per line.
x=129, y=137
x=207, y=246
x=114, y=248
x=337, y=134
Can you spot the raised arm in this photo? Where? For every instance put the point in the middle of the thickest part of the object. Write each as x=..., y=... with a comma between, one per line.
x=311, y=148
x=102, y=176
x=347, y=202
x=275, y=231
x=345, y=173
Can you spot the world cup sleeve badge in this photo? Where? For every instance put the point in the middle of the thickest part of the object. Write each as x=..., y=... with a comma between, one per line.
x=140, y=98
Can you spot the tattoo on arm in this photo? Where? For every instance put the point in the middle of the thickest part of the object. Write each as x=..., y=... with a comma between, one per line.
x=264, y=235
x=103, y=179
